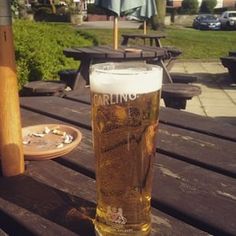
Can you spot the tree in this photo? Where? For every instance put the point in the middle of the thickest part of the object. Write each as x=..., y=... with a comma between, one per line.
x=190, y=6
x=208, y=6
x=52, y=6
x=158, y=21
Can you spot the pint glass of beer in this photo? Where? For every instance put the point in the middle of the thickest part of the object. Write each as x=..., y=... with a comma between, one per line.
x=125, y=106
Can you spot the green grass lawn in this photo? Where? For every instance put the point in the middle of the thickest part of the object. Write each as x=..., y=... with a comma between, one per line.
x=195, y=44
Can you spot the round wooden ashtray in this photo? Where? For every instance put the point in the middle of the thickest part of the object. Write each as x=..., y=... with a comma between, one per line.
x=47, y=141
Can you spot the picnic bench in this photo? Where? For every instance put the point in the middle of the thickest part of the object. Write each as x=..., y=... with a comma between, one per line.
x=42, y=88
x=194, y=185
x=230, y=63
x=153, y=55
x=89, y=55
x=232, y=53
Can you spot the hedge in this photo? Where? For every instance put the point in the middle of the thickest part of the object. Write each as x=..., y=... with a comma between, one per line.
x=93, y=9
x=39, y=49
x=208, y=6
x=189, y=6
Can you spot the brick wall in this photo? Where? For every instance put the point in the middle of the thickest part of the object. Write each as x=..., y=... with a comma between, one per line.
x=229, y=3
x=174, y=3
x=177, y=3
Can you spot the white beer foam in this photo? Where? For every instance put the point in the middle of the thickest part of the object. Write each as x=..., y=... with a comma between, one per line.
x=126, y=81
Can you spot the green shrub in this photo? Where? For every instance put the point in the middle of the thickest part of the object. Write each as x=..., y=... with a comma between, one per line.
x=15, y=8
x=189, y=6
x=39, y=49
x=208, y=6
x=93, y=9
x=44, y=13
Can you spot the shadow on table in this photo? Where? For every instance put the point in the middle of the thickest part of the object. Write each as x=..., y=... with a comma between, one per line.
x=231, y=120
x=69, y=211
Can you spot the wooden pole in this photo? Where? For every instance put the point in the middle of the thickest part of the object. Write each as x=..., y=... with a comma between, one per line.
x=115, y=33
x=145, y=27
x=11, y=148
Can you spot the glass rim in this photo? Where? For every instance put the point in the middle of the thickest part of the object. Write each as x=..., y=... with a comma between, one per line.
x=126, y=68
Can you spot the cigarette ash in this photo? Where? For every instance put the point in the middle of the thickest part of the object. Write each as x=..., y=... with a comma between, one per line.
x=65, y=138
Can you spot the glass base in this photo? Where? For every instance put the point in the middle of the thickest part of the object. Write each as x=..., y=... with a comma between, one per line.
x=109, y=231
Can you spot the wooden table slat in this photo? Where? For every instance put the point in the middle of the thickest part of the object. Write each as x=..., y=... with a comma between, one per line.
x=107, y=52
x=21, y=221
x=78, y=56
x=182, y=119
x=45, y=106
x=198, y=123
x=209, y=152
x=64, y=196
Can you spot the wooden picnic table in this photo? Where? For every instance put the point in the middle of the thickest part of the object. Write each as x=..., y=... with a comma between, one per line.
x=89, y=55
x=153, y=55
x=194, y=187
x=230, y=63
x=156, y=38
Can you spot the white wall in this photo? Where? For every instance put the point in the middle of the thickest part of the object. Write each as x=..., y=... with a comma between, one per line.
x=219, y=3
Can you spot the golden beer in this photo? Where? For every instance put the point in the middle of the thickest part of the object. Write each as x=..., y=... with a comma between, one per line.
x=125, y=107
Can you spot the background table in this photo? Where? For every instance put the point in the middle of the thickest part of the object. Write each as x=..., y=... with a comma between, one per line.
x=150, y=37
x=89, y=55
x=174, y=95
x=194, y=184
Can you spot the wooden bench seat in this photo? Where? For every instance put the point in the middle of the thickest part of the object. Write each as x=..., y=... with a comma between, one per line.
x=182, y=78
x=230, y=63
x=43, y=88
x=176, y=95
x=232, y=53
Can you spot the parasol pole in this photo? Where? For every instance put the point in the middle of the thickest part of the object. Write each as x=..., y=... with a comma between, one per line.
x=115, y=33
x=11, y=149
x=145, y=27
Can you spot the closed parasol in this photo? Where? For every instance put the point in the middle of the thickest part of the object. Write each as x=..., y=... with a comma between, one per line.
x=145, y=12
x=117, y=7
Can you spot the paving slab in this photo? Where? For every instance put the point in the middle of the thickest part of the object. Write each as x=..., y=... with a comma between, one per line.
x=218, y=97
